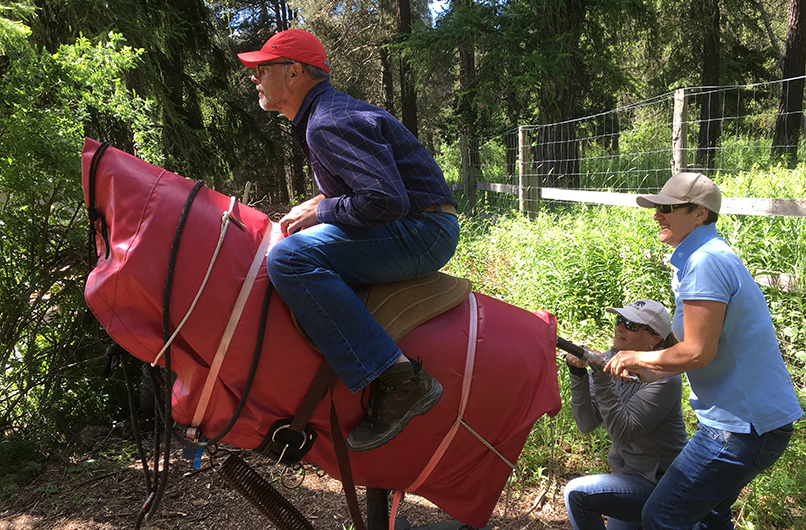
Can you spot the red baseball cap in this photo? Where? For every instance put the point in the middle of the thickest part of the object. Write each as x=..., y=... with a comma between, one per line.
x=294, y=44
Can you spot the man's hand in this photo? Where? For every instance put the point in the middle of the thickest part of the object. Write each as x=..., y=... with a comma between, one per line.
x=301, y=216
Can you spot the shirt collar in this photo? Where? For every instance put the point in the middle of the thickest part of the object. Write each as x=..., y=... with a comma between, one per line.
x=697, y=238
x=308, y=101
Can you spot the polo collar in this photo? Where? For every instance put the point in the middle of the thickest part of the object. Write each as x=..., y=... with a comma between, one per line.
x=697, y=238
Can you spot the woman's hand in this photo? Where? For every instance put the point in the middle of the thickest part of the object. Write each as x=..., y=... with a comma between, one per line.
x=628, y=362
x=574, y=361
x=702, y=320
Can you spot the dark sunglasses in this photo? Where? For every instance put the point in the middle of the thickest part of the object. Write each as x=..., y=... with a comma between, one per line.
x=260, y=69
x=632, y=326
x=669, y=208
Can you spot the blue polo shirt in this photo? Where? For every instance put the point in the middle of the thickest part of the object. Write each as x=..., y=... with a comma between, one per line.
x=369, y=166
x=747, y=382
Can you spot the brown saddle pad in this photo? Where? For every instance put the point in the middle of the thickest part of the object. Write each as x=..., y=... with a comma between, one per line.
x=402, y=306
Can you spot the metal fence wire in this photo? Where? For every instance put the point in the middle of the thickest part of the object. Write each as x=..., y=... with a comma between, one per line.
x=634, y=148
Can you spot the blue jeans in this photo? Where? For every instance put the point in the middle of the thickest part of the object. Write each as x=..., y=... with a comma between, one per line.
x=707, y=476
x=620, y=497
x=315, y=269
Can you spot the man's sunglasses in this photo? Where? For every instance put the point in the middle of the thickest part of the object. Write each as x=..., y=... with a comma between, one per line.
x=632, y=326
x=669, y=208
x=261, y=68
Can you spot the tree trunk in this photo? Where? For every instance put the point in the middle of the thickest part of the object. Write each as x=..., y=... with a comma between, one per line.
x=300, y=188
x=557, y=155
x=281, y=14
x=710, y=124
x=408, y=97
x=790, y=109
x=465, y=104
x=773, y=41
x=556, y=150
x=387, y=82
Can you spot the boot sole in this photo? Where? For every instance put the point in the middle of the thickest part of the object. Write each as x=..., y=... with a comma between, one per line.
x=422, y=406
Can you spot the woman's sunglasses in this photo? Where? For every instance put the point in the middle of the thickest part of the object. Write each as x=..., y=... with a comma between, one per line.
x=632, y=326
x=669, y=208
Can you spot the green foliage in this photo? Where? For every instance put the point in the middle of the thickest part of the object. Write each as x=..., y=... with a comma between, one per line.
x=573, y=261
x=20, y=458
x=48, y=102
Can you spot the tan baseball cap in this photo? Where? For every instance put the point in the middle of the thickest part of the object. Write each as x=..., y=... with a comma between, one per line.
x=685, y=187
x=647, y=312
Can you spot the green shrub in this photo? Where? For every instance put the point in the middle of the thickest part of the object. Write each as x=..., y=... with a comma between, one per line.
x=49, y=103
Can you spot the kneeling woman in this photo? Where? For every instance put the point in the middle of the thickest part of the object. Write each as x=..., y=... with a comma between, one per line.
x=644, y=421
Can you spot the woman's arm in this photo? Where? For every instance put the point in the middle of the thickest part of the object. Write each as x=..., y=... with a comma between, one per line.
x=583, y=405
x=630, y=416
x=702, y=324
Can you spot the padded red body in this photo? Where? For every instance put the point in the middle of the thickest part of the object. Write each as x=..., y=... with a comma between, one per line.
x=513, y=381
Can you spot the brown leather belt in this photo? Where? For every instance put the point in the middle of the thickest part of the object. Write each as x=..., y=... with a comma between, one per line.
x=442, y=208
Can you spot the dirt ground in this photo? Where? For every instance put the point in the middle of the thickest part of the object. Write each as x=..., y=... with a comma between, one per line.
x=103, y=490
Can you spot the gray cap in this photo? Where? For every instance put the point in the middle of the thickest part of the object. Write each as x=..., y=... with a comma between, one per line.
x=682, y=188
x=647, y=312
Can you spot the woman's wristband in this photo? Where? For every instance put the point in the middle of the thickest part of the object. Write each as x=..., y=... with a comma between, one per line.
x=576, y=370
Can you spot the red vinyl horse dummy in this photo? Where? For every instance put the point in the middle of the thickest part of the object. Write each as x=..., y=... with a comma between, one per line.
x=495, y=361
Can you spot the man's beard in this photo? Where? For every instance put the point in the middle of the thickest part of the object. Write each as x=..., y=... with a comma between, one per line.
x=273, y=103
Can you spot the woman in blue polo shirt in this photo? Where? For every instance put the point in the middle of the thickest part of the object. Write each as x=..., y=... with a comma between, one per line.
x=740, y=388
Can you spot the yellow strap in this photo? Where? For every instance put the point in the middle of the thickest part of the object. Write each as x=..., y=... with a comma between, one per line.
x=229, y=331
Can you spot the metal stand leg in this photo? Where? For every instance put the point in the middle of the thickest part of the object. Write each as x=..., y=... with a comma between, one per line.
x=377, y=509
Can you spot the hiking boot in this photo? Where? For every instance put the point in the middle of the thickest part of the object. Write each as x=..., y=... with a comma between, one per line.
x=400, y=393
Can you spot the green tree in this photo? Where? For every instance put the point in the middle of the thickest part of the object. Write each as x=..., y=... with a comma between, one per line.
x=536, y=61
x=203, y=102
x=48, y=101
x=790, y=111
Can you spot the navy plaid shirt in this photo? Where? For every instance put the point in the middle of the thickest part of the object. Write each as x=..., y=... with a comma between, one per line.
x=369, y=167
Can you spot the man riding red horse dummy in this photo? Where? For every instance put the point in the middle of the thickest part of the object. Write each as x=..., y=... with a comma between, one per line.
x=181, y=281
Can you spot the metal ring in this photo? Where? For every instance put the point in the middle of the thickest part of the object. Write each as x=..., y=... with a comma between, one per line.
x=281, y=427
x=293, y=485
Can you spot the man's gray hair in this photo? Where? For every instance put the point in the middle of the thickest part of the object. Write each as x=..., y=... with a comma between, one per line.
x=314, y=72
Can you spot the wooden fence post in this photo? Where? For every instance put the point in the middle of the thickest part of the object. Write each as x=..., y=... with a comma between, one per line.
x=521, y=168
x=679, y=132
x=528, y=182
x=468, y=173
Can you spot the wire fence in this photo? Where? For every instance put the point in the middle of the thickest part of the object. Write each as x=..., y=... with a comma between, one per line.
x=635, y=148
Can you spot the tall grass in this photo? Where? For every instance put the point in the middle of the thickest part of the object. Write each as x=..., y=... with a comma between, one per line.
x=575, y=260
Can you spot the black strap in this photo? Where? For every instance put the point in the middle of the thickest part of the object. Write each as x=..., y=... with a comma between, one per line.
x=261, y=332
x=166, y=303
x=343, y=461
x=161, y=479
x=324, y=379
x=92, y=212
x=288, y=441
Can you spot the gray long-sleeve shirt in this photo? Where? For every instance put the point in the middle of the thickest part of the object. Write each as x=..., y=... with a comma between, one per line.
x=644, y=420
